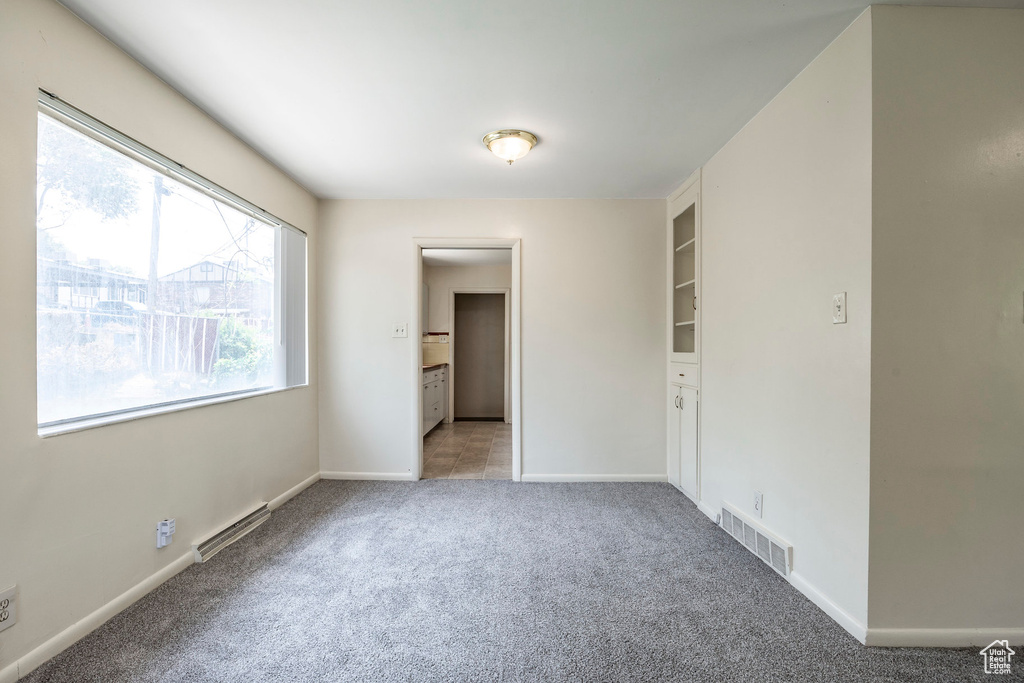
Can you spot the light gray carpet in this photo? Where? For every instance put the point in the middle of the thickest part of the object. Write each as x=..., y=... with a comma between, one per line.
x=486, y=581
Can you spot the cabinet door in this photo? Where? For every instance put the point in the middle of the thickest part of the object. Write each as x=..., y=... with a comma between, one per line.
x=684, y=244
x=435, y=406
x=674, y=417
x=688, y=464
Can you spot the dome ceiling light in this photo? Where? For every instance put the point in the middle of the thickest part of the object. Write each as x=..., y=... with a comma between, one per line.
x=510, y=144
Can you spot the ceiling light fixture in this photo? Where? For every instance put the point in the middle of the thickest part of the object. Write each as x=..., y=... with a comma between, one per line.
x=510, y=144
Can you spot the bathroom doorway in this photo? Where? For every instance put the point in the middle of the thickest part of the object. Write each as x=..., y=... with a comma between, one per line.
x=479, y=384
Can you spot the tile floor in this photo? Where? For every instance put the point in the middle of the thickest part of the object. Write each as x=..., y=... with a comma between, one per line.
x=468, y=450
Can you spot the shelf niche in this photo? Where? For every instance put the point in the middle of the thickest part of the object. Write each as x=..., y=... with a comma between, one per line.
x=684, y=269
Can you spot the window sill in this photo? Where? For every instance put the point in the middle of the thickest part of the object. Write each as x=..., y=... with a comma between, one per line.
x=130, y=415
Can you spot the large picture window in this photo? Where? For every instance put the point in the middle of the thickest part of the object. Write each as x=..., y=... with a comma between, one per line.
x=155, y=287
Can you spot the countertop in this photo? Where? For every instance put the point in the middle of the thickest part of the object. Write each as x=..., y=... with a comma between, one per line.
x=435, y=365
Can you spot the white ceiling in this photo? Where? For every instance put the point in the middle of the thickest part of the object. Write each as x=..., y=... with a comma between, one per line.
x=467, y=257
x=389, y=98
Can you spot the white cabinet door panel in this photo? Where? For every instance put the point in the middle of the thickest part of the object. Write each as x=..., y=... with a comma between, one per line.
x=674, y=417
x=688, y=441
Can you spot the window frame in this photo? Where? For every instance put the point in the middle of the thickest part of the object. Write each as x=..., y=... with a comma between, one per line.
x=291, y=299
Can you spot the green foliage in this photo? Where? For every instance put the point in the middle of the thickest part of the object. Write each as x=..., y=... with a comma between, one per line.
x=84, y=172
x=66, y=353
x=245, y=356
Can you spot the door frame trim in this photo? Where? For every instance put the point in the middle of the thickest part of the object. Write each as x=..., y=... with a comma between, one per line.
x=515, y=350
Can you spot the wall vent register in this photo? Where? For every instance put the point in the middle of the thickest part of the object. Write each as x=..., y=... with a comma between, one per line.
x=773, y=551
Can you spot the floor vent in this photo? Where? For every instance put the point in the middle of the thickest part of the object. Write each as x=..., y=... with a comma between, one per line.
x=775, y=552
x=232, y=533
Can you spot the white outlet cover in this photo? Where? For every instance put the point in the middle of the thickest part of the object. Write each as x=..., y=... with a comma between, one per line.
x=758, y=503
x=8, y=607
x=839, y=308
x=400, y=330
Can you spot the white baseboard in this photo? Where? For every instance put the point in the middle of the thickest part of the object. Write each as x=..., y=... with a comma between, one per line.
x=363, y=476
x=838, y=614
x=293, y=491
x=593, y=477
x=69, y=636
x=941, y=637
x=711, y=512
x=79, y=630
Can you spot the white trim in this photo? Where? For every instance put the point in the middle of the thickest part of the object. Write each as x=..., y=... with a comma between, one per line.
x=516, y=361
x=293, y=491
x=711, y=513
x=507, y=390
x=515, y=357
x=593, y=477
x=941, y=637
x=69, y=636
x=69, y=114
x=838, y=614
x=416, y=471
x=79, y=630
x=687, y=184
x=466, y=242
x=129, y=415
x=364, y=476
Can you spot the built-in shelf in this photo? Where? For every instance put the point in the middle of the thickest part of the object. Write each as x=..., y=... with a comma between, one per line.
x=683, y=276
x=688, y=243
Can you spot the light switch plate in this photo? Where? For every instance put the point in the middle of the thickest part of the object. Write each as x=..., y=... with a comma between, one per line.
x=839, y=308
x=400, y=330
x=8, y=607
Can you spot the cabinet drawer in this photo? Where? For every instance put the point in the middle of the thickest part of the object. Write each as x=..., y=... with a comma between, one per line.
x=684, y=373
x=436, y=375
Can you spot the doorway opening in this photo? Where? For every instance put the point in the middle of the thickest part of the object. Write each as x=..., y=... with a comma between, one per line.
x=467, y=369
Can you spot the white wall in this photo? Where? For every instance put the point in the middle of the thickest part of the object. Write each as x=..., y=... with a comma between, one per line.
x=593, y=315
x=79, y=511
x=947, y=415
x=442, y=278
x=786, y=222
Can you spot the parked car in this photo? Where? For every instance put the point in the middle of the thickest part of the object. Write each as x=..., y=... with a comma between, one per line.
x=120, y=312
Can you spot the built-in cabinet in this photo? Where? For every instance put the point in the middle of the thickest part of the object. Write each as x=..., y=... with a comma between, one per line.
x=684, y=272
x=682, y=439
x=435, y=396
x=683, y=245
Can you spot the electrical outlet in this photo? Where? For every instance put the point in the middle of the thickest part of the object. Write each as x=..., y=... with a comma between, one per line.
x=400, y=330
x=164, y=532
x=839, y=308
x=758, y=503
x=8, y=607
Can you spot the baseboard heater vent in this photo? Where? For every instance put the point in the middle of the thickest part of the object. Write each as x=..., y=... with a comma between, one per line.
x=775, y=552
x=232, y=533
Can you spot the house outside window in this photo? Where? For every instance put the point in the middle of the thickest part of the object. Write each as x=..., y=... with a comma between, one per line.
x=155, y=287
